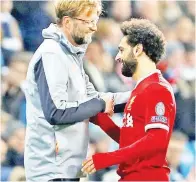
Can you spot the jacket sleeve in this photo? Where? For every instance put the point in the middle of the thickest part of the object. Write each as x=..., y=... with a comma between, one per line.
x=51, y=76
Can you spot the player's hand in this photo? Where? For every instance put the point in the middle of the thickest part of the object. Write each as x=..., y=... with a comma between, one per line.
x=109, y=108
x=88, y=166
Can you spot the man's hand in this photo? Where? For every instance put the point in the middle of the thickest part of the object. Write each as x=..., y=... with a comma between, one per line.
x=88, y=166
x=109, y=108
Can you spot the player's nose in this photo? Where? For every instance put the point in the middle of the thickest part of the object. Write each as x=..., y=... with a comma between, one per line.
x=117, y=58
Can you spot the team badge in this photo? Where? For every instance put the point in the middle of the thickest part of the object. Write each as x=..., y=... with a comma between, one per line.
x=160, y=109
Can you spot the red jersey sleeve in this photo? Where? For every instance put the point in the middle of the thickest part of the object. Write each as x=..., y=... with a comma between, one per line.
x=159, y=107
x=107, y=125
x=140, y=149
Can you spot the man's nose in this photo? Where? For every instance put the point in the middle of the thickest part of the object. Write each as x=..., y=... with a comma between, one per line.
x=94, y=27
x=117, y=58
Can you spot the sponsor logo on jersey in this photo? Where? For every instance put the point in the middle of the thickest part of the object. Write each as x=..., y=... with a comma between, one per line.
x=162, y=119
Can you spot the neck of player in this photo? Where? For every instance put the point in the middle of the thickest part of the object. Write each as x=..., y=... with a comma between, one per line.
x=144, y=68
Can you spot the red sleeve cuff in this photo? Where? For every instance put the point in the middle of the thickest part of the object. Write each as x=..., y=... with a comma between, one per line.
x=101, y=161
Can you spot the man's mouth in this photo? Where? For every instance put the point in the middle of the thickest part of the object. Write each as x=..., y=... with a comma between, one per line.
x=121, y=61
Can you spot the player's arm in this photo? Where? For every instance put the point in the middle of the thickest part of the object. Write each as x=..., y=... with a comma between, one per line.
x=51, y=76
x=107, y=125
x=120, y=98
x=146, y=147
x=156, y=131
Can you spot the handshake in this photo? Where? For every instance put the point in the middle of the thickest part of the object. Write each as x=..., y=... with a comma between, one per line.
x=109, y=104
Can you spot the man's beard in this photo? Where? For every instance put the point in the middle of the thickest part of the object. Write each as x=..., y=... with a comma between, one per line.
x=129, y=65
x=81, y=40
x=129, y=68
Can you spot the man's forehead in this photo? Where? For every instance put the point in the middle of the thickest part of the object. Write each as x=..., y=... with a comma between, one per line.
x=123, y=42
x=90, y=13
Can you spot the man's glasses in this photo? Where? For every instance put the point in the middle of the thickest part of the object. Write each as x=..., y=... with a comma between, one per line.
x=89, y=22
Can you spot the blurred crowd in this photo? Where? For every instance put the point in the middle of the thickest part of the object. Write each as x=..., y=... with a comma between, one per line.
x=20, y=35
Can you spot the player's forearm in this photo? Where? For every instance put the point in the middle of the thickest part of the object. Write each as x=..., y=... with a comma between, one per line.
x=107, y=125
x=143, y=148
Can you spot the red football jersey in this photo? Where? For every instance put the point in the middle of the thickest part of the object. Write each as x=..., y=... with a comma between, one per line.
x=151, y=106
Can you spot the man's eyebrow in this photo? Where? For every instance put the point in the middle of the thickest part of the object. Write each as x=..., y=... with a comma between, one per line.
x=120, y=47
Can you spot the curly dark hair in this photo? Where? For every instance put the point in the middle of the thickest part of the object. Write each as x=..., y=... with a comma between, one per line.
x=142, y=31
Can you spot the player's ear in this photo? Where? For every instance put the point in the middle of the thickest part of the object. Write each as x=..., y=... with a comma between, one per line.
x=137, y=50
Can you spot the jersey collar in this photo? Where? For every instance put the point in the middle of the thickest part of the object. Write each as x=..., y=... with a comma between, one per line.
x=143, y=78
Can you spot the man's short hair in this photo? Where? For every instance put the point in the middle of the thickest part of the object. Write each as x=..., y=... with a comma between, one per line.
x=73, y=8
x=142, y=31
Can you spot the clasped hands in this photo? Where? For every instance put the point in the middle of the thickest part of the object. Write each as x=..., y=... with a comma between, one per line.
x=109, y=104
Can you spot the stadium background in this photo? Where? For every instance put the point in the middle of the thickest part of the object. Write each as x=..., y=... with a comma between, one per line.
x=20, y=35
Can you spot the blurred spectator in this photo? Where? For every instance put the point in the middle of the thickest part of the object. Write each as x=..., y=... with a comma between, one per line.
x=99, y=66
x=49, y=8
x=192, y=175
x=188, y=8
x=185, y=30
x=14, y=135
x=169, y=32
x=32, y=17
x=11, y=40
x=14, y=101
x=172, y=12
x=12, y=148
x=5, y=171
x=175, y=56
x=99, y=143
x=17, y=174
x=189, y=69
x=4, y=149
x=117, y=15
x=2, y=61
x=109, y=34
x=175, y=150
x=5, y=117
x=93, y=66
x=147, y=9
x=187, y=161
